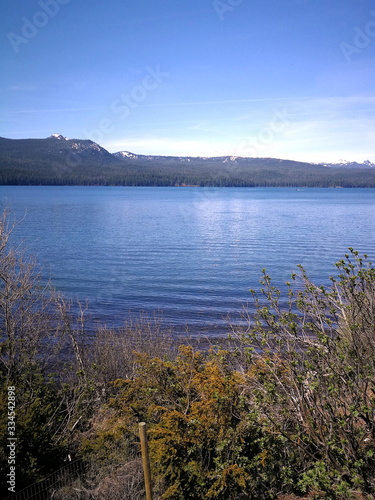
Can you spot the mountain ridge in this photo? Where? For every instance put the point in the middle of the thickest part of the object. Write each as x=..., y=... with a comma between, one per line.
x=60, y=160
x=228, y=158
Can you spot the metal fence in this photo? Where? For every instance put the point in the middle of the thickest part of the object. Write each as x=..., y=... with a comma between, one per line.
x=95, y=480
x=44, y=490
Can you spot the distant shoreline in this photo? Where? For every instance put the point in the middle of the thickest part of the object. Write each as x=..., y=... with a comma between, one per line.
x=57, y=161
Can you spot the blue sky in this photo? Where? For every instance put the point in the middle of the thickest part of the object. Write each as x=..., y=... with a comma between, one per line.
x=287, y=79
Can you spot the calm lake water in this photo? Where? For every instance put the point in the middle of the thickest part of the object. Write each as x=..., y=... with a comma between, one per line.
x=188, y=254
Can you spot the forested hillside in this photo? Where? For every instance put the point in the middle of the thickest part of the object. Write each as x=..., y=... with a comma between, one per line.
x=60, y=161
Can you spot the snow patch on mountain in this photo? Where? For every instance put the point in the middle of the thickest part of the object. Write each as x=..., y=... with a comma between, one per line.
x=125, y=154
x=349, y=164
x=59, y=137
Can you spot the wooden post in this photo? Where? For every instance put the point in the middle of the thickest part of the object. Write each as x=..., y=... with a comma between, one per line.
x=145, y=460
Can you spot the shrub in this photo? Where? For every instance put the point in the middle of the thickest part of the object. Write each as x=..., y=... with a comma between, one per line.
x=313, y=375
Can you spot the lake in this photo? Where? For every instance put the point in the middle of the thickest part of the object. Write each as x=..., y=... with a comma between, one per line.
x=189, y=255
